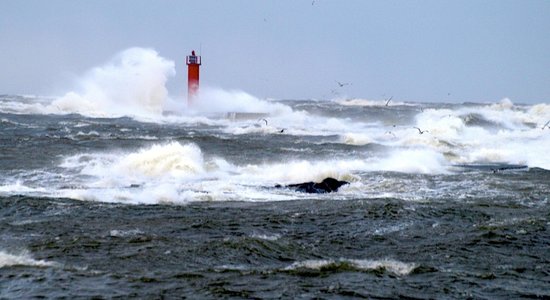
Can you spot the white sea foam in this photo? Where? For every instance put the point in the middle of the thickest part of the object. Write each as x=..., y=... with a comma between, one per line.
x=173, y=160
x=125, y=233
x=216, y=100
x=414, y=160
x=22, y=259
x=267, y=237
x=357, y=139
x=505, y=133
x=279, y=118
x=177, y=173
x=301, y=171
x=515, y=136
x=388, y=265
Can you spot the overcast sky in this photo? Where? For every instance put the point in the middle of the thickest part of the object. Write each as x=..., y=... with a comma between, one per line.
x=445, y=51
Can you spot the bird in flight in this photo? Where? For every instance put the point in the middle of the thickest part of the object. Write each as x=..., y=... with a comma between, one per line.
x=342, y=84
x=388, y=101
x=421, y=131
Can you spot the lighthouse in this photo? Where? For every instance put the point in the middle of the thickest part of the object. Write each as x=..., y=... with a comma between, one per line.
x=193, y=65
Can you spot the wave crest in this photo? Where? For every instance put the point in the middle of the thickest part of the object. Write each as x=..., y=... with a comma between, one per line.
x=340, y=265
x=22, y=259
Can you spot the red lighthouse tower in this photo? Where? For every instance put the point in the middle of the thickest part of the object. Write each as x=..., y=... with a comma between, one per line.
x=193, y=65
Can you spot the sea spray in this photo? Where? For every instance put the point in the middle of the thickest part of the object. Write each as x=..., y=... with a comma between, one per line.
x=216, y=100
x=414, y=160
x=486, y=133
x=132, y=83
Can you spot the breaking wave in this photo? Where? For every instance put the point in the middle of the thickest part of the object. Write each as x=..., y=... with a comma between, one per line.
x=342, y=265
x=22, y=259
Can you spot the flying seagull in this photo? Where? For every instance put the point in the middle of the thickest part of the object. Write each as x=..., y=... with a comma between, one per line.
x=421, y=131
x=342, y=84
x=388, y=101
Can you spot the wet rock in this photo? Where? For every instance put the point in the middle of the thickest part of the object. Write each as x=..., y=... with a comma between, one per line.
x=328, y=185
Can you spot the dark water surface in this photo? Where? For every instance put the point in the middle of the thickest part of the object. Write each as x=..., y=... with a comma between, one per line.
x=485, y=248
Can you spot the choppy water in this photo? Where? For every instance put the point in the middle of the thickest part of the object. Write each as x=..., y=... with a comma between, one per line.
x=136, y=196
x=185, y=205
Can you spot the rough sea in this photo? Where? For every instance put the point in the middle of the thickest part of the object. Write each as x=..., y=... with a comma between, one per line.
x=115, y=190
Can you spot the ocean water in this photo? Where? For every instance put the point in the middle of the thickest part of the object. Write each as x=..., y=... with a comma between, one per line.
x=116, y=190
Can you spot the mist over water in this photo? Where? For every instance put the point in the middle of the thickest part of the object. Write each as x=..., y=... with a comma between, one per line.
x=116, y=168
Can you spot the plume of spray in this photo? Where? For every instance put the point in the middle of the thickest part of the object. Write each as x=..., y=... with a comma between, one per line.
x=132, y=84
x=215, y=100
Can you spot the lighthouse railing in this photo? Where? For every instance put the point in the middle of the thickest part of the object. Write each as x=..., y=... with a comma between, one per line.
x=193, y=60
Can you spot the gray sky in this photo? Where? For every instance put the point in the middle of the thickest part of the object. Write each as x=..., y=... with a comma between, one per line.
x=449, y=51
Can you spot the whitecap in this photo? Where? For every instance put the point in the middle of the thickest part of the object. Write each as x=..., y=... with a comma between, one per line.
x=388, y=265
x=22, y=259
x=267, y=237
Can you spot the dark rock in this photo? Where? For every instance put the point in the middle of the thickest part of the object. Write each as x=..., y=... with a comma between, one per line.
x=328, y=185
